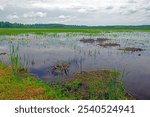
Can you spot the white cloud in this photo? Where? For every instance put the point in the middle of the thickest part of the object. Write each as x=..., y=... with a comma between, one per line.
x=50, y=6
x=12, y=17
x=63, y=17
x=82, y=11
x=34, y=14
x=1, y=8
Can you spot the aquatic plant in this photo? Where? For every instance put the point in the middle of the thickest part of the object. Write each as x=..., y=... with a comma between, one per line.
x=15, y=61
x=101, y=40
x=87, y=40
x=3, y=53
x=60, y=69
x=131, y=49
x=105, y=45
x=102, y=84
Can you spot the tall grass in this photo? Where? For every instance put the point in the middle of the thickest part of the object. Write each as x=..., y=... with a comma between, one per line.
x=15, y=58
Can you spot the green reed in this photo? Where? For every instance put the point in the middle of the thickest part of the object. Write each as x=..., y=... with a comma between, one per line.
x=15, y=58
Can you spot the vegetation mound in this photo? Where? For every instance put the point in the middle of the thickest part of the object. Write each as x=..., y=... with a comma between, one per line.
x=105, y=45
x=132, y=49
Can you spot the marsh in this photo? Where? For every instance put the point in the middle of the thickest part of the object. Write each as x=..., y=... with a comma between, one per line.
x=39, y=53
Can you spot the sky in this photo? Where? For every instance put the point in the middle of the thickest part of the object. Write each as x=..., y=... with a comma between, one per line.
x=76, y=12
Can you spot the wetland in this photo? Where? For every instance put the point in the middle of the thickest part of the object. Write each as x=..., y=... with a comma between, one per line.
x=75, y=64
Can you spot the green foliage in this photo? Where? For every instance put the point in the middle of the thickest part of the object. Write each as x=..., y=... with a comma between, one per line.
x=25, y=87
x=15, y=31
x=15, y=58
x=102, y=84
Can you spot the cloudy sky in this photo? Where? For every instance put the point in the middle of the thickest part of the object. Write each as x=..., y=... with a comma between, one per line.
x=80, y=12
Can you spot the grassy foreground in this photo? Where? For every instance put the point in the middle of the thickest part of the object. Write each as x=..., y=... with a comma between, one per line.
x=13, y=88
x=100, y=84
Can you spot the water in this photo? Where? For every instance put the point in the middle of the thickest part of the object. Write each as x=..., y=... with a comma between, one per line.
x=40, y=53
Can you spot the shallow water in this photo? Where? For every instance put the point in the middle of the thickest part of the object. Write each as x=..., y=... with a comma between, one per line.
x=41, y=52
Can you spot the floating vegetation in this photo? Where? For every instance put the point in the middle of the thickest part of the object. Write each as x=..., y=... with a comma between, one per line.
x=132, y=49
x=101, y=40
x=87, y=40
x=105, y=45
x=60, y=69
x=3, y=53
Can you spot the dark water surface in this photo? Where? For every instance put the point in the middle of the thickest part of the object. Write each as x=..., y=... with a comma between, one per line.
x=41, y=52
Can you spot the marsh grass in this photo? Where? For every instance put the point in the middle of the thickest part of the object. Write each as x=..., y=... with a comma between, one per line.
x=95, y=85
x=105, y=45
x=87, y=40
x=101, y=40
x=131, y=49
x=25, y=88
x=15, y=61
x=15, y=31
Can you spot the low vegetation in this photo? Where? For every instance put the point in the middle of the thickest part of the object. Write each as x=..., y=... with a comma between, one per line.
x=131, y=49
x=105, y=45
x=90, y=40
x=25, y=87
x=101, y=40
x=102, y=84
x=87, y=40
x=59, y=69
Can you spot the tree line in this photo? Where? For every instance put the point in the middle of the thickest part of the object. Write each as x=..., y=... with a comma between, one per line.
x=19, y=25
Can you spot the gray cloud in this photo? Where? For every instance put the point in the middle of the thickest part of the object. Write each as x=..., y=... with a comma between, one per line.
x=109, y=7
x=147, y=9
x=132, y=1
x=95, y=12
